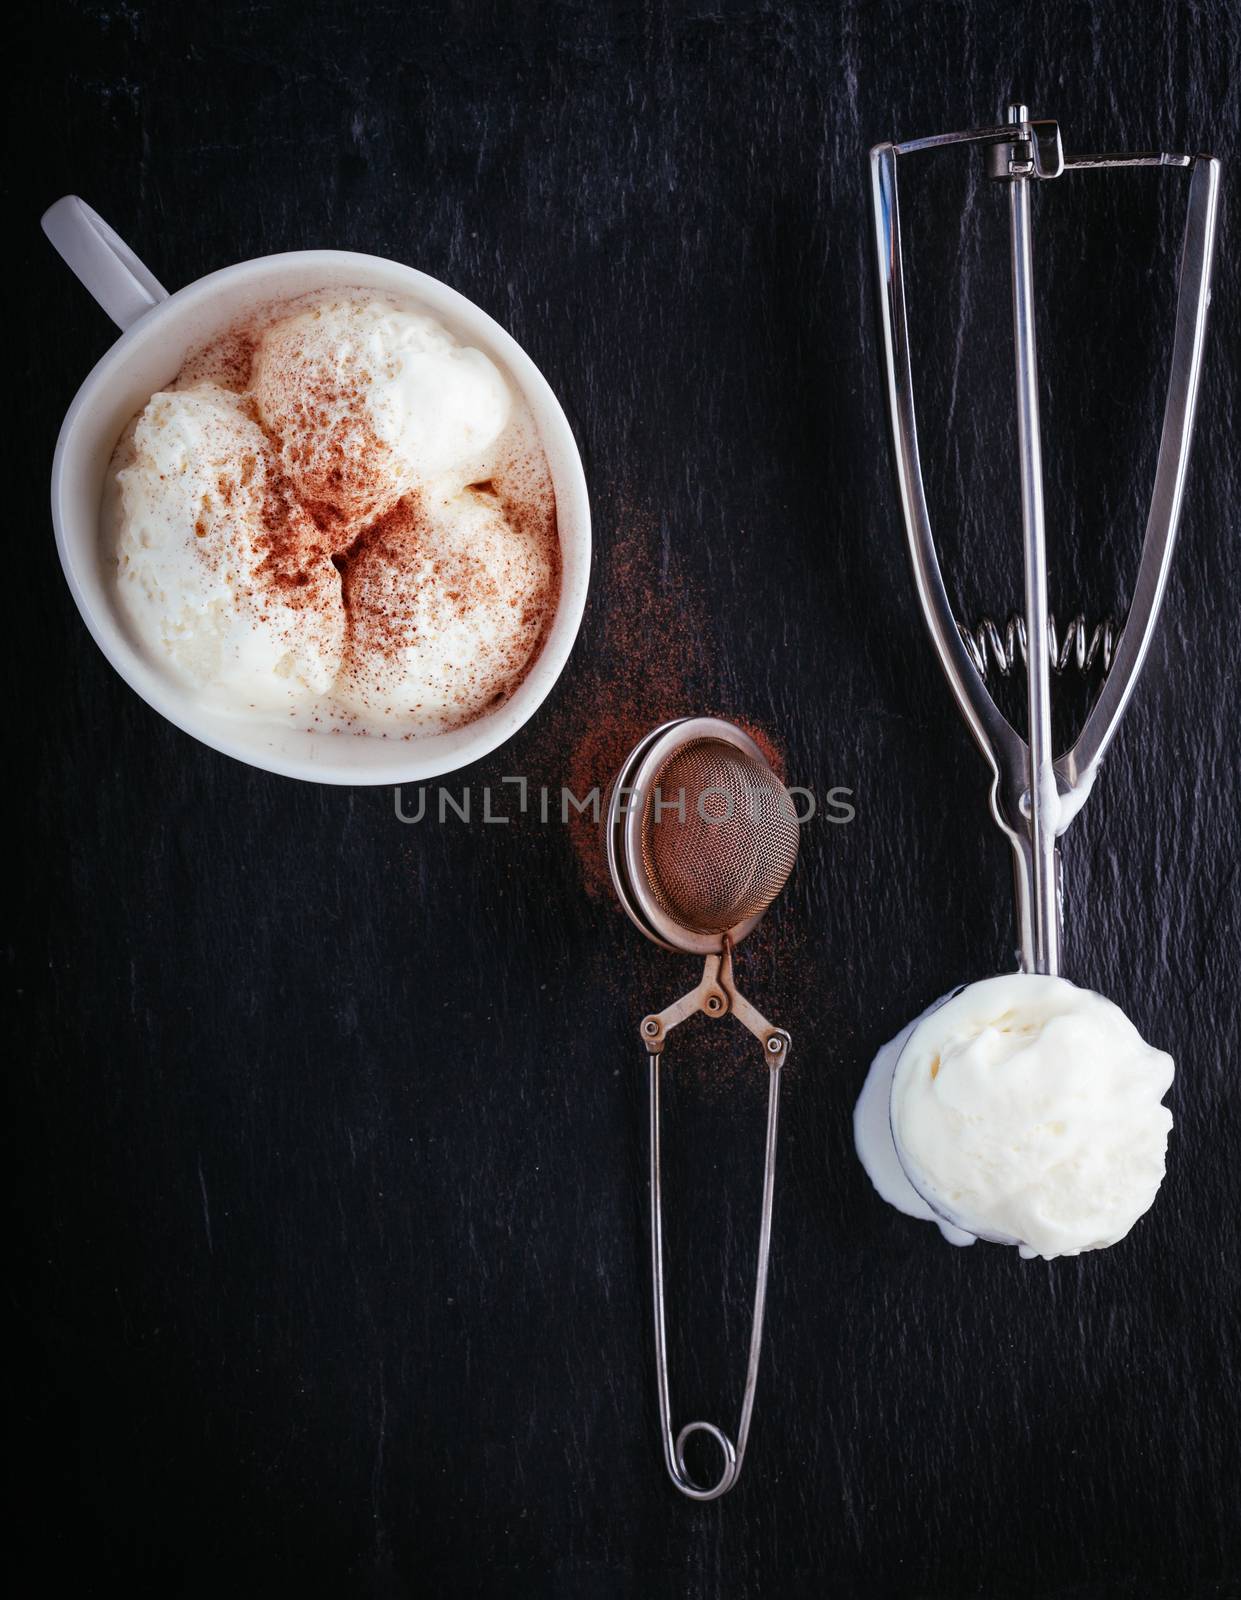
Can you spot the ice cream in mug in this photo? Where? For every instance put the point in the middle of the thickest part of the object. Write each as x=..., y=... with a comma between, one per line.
x=337, y=514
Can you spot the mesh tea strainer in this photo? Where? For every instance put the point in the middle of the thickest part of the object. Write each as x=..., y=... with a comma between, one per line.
x=701, y=837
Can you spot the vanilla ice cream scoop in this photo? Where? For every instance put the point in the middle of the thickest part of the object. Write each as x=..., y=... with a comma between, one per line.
x=226, y=583
x=370, y=400
x=1027, y=1111
x=447, y=599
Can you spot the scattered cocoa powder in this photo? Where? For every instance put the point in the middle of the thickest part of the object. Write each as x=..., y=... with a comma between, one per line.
x=649, y=660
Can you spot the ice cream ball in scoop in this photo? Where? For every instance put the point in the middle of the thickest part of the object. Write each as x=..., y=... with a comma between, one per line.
x=1027, y=1111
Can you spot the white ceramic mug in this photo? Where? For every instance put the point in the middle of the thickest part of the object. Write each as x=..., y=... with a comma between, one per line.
x=158, y=332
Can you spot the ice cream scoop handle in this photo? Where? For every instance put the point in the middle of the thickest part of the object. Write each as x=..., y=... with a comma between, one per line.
x=98, y=255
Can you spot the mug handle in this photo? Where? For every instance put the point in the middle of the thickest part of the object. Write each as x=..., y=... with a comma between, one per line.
x=98, y=255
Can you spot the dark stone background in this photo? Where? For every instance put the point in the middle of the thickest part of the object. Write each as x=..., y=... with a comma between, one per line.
x=329, y=1253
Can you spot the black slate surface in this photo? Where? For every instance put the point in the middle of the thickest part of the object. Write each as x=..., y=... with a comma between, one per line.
x=328, y=1256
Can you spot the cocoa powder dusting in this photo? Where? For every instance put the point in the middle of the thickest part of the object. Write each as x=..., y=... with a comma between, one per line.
x=227, y=361
x=648, y=655
x=652, y=660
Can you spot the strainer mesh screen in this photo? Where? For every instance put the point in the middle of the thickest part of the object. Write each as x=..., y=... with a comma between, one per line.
x=719, y=836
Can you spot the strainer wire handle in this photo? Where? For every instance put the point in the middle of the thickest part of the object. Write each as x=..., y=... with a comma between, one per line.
x=674, y=1448
x=775, y=1044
